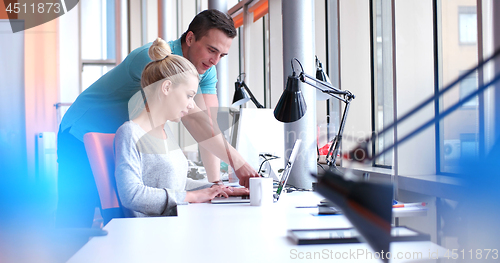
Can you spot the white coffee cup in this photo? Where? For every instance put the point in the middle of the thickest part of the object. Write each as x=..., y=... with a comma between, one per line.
x=261, y=191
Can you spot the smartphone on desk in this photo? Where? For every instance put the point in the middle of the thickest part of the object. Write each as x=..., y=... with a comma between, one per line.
x=326, y=207
x=349, y=235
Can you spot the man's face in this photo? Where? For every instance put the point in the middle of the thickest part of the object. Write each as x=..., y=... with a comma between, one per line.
x=208, y=50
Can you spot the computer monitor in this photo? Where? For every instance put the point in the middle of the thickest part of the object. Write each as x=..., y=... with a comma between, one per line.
x=256, y=131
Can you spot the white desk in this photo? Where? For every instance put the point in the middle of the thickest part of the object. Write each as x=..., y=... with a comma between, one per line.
x=229, y=233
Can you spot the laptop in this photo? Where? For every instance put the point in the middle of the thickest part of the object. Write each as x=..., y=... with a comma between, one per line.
x=281, y=185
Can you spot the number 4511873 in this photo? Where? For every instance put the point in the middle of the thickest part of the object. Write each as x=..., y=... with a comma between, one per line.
x=471, y=254
x=39, y=8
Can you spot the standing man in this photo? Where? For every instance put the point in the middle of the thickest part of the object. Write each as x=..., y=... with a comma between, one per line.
x=103, y=107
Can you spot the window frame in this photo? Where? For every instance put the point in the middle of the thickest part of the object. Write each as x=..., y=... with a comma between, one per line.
x=439, y=136
x=111, y=7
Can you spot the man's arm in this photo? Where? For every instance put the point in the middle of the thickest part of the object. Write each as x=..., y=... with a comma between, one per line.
x=210, y=161
x=210, y=138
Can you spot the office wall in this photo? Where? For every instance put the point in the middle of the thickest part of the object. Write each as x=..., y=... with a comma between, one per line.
x=29, y=69
x=41, y=71
x=13, y=153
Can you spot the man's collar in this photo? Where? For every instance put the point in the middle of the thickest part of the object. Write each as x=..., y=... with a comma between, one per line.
x=176, y=47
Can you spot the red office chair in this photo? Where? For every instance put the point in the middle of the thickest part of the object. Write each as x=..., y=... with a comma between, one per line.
x=99, y=147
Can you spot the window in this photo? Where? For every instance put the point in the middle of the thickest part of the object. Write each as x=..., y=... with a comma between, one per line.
x=98, y=38
x=459, y=131
x=467, y=25
x=435, y=43
x=467, y=86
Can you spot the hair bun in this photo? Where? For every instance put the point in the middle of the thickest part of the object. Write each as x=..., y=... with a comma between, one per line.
x=159, y=50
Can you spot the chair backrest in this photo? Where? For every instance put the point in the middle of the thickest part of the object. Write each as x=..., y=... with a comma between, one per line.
x=100, y=151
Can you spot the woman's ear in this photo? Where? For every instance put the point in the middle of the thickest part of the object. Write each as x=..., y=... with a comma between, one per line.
x=166, y=86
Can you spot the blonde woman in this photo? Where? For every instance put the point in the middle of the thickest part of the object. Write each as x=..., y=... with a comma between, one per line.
x=151, y=170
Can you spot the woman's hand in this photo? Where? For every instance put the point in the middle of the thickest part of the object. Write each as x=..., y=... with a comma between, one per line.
x=204, y=195
x=232, y=191
x=239, y=191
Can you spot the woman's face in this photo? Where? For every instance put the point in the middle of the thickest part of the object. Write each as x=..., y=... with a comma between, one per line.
x=179, y=99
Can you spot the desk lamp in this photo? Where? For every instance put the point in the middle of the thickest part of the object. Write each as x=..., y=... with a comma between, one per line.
x=242, y=93
x=291, y=106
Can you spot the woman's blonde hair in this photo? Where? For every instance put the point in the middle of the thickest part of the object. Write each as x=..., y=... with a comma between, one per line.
x=166, y=66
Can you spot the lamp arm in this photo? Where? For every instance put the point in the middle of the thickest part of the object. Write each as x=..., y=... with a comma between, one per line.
x=329, y=92
x=252, y=97
x=331, y=89
x=331, y=157
x=333, y=95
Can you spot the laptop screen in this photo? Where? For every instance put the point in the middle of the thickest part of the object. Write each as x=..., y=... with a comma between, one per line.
x=288, y=168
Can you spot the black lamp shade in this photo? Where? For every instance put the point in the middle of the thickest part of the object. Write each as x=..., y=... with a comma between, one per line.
x=240, y=95
x=291, y=106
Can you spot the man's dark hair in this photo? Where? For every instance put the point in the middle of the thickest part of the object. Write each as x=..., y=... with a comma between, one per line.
x=209, y=19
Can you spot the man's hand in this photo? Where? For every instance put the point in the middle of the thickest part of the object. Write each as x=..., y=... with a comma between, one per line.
x=244, y=173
